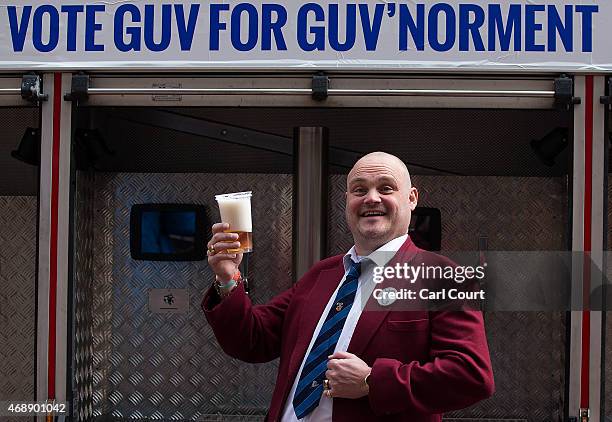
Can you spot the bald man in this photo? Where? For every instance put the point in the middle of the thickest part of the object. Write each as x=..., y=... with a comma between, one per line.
x=340, y=358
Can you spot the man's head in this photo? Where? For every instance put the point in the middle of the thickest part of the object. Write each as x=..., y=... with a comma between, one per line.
x=379, y=200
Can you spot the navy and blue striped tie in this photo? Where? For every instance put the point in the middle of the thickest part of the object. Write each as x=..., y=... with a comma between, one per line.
x=310, y=386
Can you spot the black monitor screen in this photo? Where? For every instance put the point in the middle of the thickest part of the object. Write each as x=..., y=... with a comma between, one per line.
x=167, y=232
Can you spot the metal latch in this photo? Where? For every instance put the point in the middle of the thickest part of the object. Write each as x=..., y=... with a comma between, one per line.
x=79, y=88
x=31, y=88
x=585, y=414
x=607, y=99
x=564, y=92
x=320, y=87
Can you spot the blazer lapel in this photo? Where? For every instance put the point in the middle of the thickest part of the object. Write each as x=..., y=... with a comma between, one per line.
x=313, y=308
x=370, y=321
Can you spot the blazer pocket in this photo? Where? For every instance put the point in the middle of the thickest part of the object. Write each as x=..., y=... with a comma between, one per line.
x=406, y=326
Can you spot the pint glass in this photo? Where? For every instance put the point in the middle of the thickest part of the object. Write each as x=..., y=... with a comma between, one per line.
x=235, y=210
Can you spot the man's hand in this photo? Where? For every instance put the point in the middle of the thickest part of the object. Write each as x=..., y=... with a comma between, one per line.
x=346, y=374
x=223, y=264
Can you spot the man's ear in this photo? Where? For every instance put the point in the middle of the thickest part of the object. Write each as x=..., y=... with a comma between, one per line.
x=413, y=198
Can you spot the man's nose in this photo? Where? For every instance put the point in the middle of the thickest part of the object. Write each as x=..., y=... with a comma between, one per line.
x=372, y=197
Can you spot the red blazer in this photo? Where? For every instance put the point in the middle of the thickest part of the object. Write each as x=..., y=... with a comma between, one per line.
x=423, y=363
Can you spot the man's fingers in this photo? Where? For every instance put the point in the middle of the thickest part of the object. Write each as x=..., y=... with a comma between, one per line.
x=219, y=257
x=220, y=242
x=223, y=237
x=223, y=246
x=341, y=355
x=219, y=227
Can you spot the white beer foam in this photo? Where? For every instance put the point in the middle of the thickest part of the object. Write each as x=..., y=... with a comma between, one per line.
x=235, y=209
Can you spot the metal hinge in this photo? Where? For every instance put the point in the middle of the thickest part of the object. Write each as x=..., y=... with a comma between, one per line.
x=79, y=88
x=31, y=88
x=607, y=99
x=564, y=92
x=320, y=87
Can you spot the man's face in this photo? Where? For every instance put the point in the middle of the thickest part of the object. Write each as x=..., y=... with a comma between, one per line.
x=379, y=202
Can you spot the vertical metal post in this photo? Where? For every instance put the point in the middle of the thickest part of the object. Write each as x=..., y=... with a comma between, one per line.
x=598, y=231
x=606, y=340
x=310, y=190
x=578, y=235
x=587, y=237
x=53, y=240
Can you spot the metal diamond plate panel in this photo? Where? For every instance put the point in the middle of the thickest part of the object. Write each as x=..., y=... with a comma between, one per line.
x=462, y=141
x=18, y=178
x=141, y=148
x=467, y=141
x=527, y=349
x=163, y=366
x=515, y=213
x=17, y=296
x=83, y=298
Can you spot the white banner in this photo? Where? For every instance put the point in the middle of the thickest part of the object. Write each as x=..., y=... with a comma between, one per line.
x=368, y=34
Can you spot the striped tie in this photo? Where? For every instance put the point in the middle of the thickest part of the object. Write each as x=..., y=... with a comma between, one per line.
x=310, y=386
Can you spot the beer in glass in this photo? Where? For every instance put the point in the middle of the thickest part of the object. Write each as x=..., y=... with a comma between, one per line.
x=235, y=209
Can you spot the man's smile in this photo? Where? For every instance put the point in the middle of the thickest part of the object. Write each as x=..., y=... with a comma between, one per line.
x=372, y=214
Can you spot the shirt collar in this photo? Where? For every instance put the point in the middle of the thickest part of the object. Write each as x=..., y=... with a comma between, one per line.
x=380, y=256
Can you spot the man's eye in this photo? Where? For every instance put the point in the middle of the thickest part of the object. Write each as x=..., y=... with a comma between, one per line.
x=359, y=191
x=387, y=189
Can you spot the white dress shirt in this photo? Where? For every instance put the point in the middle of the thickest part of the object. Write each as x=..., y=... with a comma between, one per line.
x=365, y=287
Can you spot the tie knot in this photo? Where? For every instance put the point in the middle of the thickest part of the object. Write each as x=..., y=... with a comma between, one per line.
x=354, y=270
